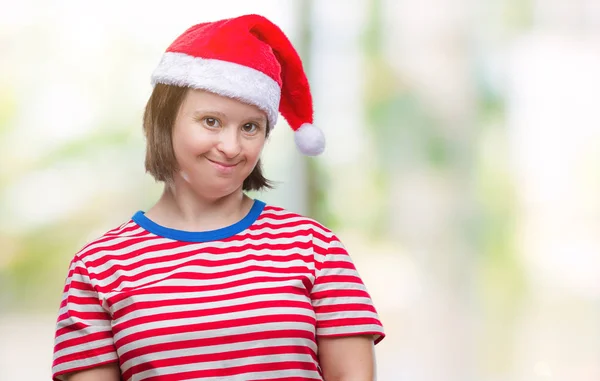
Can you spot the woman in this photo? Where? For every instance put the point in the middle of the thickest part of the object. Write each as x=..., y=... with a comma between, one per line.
x=209, y=284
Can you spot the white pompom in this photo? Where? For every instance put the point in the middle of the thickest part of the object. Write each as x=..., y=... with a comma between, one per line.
x=310, y=139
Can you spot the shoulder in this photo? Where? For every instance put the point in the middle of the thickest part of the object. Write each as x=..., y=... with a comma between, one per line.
x=280, y=218
x=114, y=240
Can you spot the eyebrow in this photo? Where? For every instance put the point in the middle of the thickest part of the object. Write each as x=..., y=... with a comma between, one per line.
x=255, y=117
x=215, y=113
x=259, y=118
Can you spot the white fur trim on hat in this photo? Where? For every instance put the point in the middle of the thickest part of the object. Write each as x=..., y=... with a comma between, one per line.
x=310, y=139
x=221, y=77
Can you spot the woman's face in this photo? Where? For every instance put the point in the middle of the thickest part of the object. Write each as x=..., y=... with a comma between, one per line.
x=217, y=142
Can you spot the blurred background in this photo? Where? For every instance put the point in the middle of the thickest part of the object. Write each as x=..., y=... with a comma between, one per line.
x=462, y=170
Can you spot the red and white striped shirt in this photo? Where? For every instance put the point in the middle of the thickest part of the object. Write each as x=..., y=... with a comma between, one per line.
x=245, y=302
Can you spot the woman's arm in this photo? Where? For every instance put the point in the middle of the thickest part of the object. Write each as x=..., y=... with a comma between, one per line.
x=108, y=372
x=347, y=358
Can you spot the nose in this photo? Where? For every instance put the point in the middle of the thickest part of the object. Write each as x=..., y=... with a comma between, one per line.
x=229, y=142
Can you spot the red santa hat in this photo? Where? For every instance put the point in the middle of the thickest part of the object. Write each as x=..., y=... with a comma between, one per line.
x=247, y=58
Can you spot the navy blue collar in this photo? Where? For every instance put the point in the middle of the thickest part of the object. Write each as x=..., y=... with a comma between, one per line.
x=182, y=235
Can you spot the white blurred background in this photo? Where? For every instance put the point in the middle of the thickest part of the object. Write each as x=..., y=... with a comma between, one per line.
x=462, y=169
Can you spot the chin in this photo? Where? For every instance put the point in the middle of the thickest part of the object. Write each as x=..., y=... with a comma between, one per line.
x=215, y=191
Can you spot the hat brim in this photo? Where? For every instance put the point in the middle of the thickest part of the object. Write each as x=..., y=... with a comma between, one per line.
x=220, y=77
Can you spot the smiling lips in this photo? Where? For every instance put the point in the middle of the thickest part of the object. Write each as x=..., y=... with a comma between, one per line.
x=223, y=167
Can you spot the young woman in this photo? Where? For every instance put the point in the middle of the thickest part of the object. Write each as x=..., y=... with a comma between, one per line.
x=209, y=284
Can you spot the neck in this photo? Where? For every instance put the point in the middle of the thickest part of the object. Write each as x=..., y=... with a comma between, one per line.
x=181, y=208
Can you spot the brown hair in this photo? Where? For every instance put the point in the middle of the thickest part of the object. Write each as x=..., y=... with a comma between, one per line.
x=159, y=119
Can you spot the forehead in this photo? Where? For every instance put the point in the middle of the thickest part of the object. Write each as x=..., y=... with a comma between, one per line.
x=198, y=100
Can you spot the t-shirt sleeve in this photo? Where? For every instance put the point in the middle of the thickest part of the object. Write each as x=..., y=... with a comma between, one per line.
x=342, y=304
x=83, y=337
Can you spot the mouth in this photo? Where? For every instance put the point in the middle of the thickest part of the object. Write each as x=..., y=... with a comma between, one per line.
x=225, y=165
x=223, y=168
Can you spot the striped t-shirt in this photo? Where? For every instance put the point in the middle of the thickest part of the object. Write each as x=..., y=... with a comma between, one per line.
x=245, y=302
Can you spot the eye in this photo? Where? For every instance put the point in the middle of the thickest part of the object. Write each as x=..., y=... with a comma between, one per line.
x=211, y=122
x=250, y=128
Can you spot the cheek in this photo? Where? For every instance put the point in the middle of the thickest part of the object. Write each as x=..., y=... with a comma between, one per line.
x=180, y=150
x=254, y=150
x=190, y=143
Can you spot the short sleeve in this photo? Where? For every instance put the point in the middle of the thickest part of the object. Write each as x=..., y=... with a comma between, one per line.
x=342, y=304
x=83, y=337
